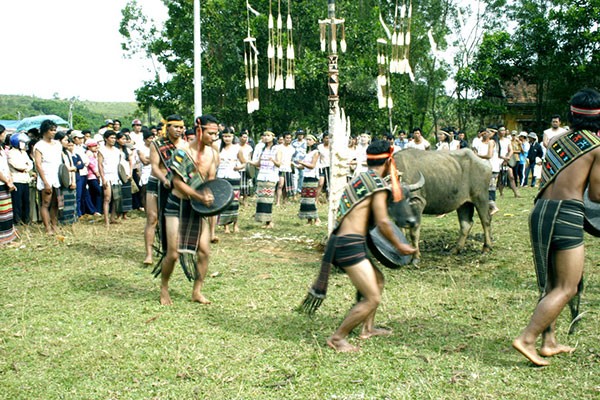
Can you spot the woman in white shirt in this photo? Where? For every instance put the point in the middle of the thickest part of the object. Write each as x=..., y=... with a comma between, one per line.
x=308, y=201
x=231, y=162
x=20, y=168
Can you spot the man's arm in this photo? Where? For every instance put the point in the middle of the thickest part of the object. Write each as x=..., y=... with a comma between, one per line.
x=385, y=224
x=594, y=178
x=40, y=171
x=155, y=163
x=205, y=196
x=101, y=168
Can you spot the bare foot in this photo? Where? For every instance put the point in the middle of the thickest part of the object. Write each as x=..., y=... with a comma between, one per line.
x=374, y=332
x=148, y=261
x=549, y=351
x=165, y=299
x=529, y=352
x=342, y=346
x=215, y=239
x=236, y=230
x=227, y=231
x=199, y=298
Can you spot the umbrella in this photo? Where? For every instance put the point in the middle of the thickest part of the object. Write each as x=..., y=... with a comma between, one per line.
x=34, y=122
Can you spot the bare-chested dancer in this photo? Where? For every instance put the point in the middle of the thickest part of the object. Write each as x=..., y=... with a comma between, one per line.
x=161, y=150
x=196, y=164
x=365, y=195
x=556, y=224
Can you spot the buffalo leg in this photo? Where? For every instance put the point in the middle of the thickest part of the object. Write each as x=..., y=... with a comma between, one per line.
x=465, y=220
x=486, y=222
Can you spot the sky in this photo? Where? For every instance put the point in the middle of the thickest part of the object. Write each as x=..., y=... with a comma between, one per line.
x=70, y=47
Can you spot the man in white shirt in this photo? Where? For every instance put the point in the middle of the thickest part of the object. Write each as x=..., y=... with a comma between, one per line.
x=418, y=142
x=554, y=130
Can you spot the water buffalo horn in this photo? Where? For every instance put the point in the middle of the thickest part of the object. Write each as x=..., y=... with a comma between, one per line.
x=416, y=186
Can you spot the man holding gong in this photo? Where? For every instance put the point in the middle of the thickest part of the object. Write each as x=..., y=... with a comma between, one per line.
x=188, y=234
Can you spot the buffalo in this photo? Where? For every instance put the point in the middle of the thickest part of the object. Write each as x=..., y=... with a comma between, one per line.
x=456, y=180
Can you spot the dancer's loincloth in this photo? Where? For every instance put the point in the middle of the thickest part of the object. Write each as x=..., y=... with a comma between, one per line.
x=555, y=225
x=347, y=250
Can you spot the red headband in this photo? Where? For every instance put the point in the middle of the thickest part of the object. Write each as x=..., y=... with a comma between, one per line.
x=396, y=190
x=585, y=111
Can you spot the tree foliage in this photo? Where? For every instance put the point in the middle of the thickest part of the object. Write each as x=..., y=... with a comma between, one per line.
x=554, y=45
x=224, y=26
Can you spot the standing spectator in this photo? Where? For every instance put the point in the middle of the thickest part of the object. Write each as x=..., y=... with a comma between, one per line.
x=246, y=183
x=20, y=169
x=310, y=163
x=136, y=142
x=146, y=170
x=443, y=141
x=299, y=145
x=48, y=157
x=418, y=142
x=401, y=142
x=82, y=173
x=268, y=175
x=67, y=198
x=485, y=150
x=554, y=130
x=462, y=138
x=7, y=229
x=126, y=161
x=108, y=163
x=360, y=154
x=324, y=165
x=231, y=162
x=523, y=156
x=505, y=154
x=286, y=180
x=534, y=156
x=94, y=186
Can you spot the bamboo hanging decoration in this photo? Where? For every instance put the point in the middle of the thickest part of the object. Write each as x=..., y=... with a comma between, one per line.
x=290, y=78
x=251, y=65
x=404, y=63
x=279, y=50
x=271, y=49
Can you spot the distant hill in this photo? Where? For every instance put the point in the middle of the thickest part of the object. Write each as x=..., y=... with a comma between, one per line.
x=86, y=114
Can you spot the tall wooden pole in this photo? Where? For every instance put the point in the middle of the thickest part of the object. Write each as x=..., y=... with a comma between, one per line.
x=197, y=60
x=338, y=126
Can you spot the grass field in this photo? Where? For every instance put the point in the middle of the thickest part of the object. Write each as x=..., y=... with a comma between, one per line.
x=80, y=319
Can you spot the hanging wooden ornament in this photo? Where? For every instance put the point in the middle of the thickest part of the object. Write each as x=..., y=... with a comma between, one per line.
x=290, y=79
x=271, y=49
x=251, y=65
x=279, y=50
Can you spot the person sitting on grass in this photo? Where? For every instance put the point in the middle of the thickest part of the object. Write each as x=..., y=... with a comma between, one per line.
x=366, y=195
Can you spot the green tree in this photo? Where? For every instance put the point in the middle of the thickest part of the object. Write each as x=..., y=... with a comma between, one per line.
x=224, y=26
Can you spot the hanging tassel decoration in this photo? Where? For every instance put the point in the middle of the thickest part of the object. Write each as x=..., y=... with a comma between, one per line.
x=290, y=79
x=271, y=49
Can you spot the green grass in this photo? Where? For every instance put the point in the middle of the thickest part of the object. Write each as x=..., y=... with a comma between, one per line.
x=80, y=319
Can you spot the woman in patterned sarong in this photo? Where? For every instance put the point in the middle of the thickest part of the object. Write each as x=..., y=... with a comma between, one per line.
x=126, y=161
x=268, y=175
x=7, y=229
x=308, y=201
x=231, y=162
x=67, y=198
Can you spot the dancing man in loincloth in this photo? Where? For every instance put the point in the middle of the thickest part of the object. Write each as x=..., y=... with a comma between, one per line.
x=158, y=187
x=188, y=234
x=556, y=225
x=364, y=196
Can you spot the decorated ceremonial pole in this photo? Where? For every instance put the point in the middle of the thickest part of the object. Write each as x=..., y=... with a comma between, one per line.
x=339, y=127
x=197, y=60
